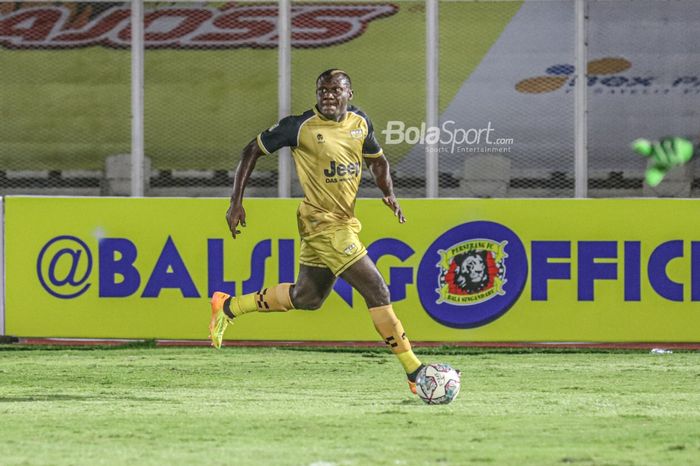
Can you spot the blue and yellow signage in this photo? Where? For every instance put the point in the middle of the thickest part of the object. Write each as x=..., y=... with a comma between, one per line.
x=458, y=270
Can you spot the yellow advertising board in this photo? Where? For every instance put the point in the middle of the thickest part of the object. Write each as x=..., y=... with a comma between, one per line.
x=458, y=270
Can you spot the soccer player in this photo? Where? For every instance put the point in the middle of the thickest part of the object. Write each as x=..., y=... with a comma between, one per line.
x=329, y=143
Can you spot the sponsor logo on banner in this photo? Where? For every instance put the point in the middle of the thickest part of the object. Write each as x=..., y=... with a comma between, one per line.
x=469, y=276
x=76, y=25
x=605, y=76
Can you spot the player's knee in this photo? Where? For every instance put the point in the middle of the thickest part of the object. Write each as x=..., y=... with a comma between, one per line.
x=384, y=295
x=380, y=297
x=308, y=304
x=306, y=301
x=314, y=305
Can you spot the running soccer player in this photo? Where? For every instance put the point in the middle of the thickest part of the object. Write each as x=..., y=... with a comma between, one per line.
x=329, y=143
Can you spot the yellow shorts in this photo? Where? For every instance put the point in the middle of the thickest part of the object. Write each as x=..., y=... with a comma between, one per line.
x=334, y=249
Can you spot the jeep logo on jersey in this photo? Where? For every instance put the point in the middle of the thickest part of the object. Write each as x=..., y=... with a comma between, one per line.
x=342, y=169
x=75, y=25
x=472, y=274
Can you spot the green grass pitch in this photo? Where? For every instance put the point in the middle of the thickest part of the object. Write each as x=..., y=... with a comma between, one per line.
x=268, y=406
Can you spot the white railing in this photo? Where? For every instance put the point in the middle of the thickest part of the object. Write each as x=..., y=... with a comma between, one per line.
x=581, y=104
x=137, y=82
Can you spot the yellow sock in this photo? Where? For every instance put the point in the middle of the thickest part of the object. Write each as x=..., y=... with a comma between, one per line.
x=273, y=299
x=409, y=361
x=391, y=330
x=243, y=304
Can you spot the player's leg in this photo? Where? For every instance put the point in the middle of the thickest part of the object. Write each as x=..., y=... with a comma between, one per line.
x=224, y=307
x=366, y=279
x=312, y=287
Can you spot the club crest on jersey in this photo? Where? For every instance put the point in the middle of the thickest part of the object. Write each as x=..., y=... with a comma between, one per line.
x=319, y=138
x=471, y=272
x=356, y=133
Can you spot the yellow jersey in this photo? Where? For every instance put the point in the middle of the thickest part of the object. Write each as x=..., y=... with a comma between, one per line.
x=328, y=157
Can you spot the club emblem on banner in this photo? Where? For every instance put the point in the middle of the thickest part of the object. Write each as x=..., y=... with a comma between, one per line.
x=472, y=272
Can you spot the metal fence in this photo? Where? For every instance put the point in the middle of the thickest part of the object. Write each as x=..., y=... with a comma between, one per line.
x=468, y=98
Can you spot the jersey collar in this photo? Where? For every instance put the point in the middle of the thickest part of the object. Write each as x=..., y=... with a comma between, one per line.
x=320, y=115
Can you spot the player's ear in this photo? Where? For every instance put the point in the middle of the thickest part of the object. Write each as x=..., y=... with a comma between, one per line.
x=350, y=94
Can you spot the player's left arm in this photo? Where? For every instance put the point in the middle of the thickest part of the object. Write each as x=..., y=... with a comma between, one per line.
x=379, y=167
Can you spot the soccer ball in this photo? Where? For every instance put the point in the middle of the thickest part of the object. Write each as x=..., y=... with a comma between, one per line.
x=437, y=384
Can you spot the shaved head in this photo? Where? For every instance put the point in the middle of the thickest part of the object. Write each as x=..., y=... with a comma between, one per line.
x=333, y=72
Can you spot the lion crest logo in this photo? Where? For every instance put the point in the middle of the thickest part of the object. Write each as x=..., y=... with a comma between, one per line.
x=472, y=272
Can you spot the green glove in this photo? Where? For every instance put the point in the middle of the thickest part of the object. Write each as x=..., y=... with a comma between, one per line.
x=666, y=153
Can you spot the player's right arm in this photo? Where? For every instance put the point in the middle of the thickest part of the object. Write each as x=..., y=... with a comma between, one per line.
x=235, y=215
x=280, y=135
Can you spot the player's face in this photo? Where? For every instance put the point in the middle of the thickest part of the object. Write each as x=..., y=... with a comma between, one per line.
x=332, y=96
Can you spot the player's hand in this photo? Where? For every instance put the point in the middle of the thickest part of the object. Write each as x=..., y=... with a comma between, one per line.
x=393, y=204
x=235, y=215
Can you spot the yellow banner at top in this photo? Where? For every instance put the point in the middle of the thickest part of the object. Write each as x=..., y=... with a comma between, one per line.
x=458, y=270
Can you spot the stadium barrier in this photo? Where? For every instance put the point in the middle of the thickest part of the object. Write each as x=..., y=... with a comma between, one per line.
x=559, y=88
x=479, y=270
x=480, y=177
x=2, y=268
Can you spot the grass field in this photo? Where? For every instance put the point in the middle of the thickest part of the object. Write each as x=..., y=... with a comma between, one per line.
x=267, y=406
